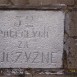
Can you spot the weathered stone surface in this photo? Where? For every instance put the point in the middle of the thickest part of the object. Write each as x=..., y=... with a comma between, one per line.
x=71, y=23
x=36, y=2
x=50, y=2
x=3, y=2
x=20, y=2
x=75, y=3
x=31, y=39
x=44, y=75
x=72, y=54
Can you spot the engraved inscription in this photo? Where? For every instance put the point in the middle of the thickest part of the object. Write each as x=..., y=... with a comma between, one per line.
x=31, y=57
x=31, y=39
x=26, y=33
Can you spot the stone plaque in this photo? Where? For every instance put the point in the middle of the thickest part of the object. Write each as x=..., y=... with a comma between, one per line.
x=31, y=39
